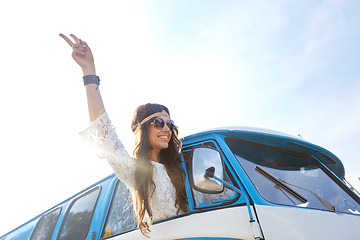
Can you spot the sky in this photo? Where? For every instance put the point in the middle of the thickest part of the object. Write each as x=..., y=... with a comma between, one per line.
x=289, y=66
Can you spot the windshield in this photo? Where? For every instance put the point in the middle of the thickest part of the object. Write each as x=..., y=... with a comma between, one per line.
x=281, y=176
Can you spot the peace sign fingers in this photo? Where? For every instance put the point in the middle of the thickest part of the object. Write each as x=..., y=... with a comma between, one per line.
x=75, y=38
x=81, y=52
x=68, y=39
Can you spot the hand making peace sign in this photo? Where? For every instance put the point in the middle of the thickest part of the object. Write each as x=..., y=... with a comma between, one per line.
x=81, y=54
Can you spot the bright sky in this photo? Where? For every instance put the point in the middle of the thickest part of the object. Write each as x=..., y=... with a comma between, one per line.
x=290, y=66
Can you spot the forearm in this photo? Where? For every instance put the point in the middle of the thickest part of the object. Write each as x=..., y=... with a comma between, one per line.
x=95, y=103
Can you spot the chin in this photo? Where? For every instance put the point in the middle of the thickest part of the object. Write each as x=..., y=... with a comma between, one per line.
x=164, y=146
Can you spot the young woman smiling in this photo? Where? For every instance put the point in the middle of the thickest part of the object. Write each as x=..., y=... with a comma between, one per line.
x=154, y=176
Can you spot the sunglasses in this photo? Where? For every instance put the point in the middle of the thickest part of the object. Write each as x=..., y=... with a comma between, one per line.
x=159, y=124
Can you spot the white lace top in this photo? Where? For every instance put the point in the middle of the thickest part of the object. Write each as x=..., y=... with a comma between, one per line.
x=102, y=134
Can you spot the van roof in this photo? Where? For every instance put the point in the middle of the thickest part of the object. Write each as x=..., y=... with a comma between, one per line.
x=277, y=139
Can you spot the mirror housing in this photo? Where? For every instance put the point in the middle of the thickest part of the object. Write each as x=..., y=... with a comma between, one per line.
x=202, y=160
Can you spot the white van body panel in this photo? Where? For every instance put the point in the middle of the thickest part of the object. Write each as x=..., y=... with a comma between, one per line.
x=283, y=223
x=227, y=223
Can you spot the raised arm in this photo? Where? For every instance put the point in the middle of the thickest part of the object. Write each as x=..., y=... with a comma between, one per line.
x=83, y=56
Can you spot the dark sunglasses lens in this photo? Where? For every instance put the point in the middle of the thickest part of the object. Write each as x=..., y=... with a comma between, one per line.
x=158, y=123
x=171, y=125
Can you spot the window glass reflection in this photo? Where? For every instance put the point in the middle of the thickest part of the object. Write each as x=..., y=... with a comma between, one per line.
x=298, y=171
x=45, y=227
x=121, y=215
x=78, y=220
x=204, y=199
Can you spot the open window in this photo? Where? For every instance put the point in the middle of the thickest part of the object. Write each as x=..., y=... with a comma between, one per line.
x=201, y=199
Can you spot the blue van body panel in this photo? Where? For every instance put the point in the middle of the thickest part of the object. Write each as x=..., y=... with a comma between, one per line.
x=274, y=139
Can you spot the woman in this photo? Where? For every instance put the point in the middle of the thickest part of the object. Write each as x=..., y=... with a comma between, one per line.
x=155, y=177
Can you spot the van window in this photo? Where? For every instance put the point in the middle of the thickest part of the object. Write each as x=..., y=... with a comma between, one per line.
x=78, y=218
x=204, y=199
x=121, y=216
x=299, y=172
x=45, y=227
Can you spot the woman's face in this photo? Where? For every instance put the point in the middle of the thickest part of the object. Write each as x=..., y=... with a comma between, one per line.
x=159, y=138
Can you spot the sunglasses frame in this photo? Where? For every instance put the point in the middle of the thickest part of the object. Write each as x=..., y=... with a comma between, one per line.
x=170, y=124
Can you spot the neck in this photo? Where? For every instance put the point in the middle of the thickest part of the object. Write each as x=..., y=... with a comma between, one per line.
x=154, y=155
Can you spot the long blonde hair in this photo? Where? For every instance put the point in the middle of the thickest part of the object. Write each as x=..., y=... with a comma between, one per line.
x=169, y=157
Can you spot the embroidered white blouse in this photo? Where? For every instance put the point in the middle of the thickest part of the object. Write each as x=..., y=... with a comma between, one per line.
x=102, y=134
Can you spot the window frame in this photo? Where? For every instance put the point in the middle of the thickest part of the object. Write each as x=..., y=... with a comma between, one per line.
x=310, y=157
x=113, y=193
x=43, y=216
x=79, y=196
x=228, y=171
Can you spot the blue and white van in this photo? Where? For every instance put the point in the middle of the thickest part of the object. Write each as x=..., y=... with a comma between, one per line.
x=241, y=184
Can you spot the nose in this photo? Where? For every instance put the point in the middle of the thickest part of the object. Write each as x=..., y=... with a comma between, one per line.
x=166, y=127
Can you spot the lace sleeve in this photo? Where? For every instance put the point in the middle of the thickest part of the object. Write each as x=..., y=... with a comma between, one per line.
x=202, y=199
x=101, y=133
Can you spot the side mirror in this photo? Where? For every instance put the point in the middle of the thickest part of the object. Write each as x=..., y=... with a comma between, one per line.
x=202, y=158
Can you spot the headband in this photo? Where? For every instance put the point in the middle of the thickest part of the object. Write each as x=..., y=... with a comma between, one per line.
x=158, y=114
